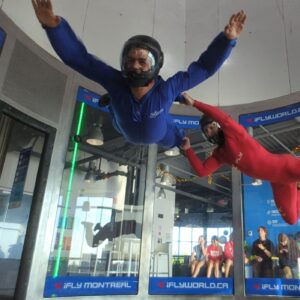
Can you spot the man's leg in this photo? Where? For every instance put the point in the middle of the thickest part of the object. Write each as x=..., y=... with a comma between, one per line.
x=267, y=272
x=256, y=270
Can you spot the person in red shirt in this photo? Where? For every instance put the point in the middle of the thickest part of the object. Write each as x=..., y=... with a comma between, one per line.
x=214, y=257
x=237, y=148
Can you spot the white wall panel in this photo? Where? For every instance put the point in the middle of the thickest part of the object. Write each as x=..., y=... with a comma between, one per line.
x=201, y=28
x=110, y=23
x=292, y=26
x=258, y=67
x=169, y=30
x=23, y=15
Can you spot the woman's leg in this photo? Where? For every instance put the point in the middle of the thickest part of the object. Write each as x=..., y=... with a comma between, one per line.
x=228, y=264
x=193, y=265
x=217, y=269
x=209, y=268
x=198, y=267
x=285, y=196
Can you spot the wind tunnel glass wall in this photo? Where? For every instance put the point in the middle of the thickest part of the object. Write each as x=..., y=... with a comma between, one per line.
x=96, y=243
x=21, y=148
x=192, y=227
x=272, y=246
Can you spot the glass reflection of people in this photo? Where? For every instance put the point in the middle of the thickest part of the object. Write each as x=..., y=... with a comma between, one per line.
x=228, y=256
x=297, y=239
x=198, y=257
x=262, y=250
x=288, y=253
x=235, y=147
x=140, y=98
x=110, y=231
x=214, y=257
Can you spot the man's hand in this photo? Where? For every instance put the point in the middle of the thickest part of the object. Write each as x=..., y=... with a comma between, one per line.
x=44, y=13
x=235, y=26
x=188, y=100
x=258, y=258
x=261, y=246
x=186, y=144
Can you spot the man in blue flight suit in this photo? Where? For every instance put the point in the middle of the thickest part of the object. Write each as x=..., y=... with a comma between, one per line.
x=141, y=99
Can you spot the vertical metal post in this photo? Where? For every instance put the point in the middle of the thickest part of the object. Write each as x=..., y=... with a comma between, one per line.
x=147, y=223
x=238, y=236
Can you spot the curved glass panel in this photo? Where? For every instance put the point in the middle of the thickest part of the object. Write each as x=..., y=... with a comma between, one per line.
x=192, y=225
x=96, y=243
x=271, y=244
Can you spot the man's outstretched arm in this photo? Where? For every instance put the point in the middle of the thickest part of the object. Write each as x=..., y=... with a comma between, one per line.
x=219, y=50
x=70, y=49
x=211, y=60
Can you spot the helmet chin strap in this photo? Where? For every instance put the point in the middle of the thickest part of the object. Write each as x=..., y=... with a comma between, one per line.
x=138, y=80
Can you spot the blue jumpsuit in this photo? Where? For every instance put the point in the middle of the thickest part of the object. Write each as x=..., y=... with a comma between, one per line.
x=145, y=121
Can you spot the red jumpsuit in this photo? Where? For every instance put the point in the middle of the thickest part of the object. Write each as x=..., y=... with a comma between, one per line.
x=242, y=151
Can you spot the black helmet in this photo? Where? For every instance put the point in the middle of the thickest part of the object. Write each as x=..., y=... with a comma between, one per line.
x=205, y=120
x=150, y=44
x=218, y=138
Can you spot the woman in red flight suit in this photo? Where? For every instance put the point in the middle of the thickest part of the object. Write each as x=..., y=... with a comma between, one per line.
x=237, y=148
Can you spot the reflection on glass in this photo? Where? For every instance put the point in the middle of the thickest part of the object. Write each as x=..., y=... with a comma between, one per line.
x=20, y=152
x=99, y=217
x=102, y=234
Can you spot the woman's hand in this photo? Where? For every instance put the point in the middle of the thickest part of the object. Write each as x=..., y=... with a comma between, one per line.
x=186, y=144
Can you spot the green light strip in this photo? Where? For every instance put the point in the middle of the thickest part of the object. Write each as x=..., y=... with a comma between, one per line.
x=68, y=194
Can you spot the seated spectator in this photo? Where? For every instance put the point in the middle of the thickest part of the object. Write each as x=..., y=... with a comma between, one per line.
x=262, y=250
x=214, y=257
x=288, y=253
x=228, y=256
x=198, y=257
